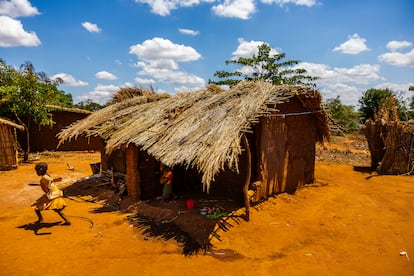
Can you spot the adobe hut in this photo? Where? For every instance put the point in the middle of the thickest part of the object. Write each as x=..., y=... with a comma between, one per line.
x=8, y=145
x=247, y=143
x=44, y=137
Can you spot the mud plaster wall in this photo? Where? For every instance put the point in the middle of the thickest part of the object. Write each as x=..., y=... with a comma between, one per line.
x=44, y=137
x=286, y=150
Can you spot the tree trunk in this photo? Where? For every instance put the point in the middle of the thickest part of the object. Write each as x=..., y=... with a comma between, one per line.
x=132, y=173
x=248, y=176
x=27, y=150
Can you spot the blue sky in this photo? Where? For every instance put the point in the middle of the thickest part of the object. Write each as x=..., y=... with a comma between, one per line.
x=98, y=46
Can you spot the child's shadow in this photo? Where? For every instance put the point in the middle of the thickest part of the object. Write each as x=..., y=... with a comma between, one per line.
x=36, y=226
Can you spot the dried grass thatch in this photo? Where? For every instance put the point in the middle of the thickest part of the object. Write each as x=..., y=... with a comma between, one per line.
x=199, y=129
x=67, y=109
x=10, y=123
x=125, y=93
x=391, y=145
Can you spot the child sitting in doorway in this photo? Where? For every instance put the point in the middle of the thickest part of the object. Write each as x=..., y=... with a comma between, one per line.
x=166, y=180
x=53, y=197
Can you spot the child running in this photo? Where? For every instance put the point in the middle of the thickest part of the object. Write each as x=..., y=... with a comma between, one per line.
x=53, y=197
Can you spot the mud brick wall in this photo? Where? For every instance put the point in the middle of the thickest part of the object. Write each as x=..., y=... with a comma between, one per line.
x=44, y=137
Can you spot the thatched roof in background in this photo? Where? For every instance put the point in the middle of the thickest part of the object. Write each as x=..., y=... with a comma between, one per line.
x=10, y=123
x=125, y=93
x=51, y=107
x=199, y=129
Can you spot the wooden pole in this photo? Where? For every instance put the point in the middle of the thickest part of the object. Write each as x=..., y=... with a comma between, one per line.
x=133, y=180
x=248, y=176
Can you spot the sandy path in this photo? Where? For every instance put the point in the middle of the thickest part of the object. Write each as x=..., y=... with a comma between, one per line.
x=344, y=224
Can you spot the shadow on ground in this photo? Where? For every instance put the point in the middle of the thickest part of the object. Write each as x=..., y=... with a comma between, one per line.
x=36, y=226
x=163, y=219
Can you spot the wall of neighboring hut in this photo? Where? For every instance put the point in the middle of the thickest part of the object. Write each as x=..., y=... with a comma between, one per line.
x=8, y=148
x=44, y=137
x=285, y=149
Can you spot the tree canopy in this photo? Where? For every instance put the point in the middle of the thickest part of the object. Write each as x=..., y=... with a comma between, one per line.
x=382, y=102
x=26, y=94
x=265, y=66
x=89, y=105
x=343, y=115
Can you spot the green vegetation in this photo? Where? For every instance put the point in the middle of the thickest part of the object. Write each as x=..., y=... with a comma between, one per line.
x=89, y=105
x=265, y=66
x=25, y=95
x=343, y=115
x=382, y=102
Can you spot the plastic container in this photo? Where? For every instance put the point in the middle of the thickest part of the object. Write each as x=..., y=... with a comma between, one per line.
x=189, y=204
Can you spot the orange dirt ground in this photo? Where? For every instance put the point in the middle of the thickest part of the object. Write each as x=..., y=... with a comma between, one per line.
x=349, y=222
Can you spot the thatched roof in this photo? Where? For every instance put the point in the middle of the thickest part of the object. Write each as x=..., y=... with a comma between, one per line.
x=199, y=129
x=67, y=109
x=10, y=123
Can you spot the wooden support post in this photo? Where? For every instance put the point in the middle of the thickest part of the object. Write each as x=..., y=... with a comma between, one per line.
x=133, y=179
x=248, y=176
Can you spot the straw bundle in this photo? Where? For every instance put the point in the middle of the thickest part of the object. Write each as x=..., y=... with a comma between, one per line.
x=399, y=149
x=200, y=129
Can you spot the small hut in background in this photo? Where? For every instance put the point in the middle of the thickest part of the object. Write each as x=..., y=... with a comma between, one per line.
x=8, y=145
x=44, y=137
x=246, y=144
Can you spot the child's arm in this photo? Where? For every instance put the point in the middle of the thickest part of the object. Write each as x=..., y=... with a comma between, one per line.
x=57, y=179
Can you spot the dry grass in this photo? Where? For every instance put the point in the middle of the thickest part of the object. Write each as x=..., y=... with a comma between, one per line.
x=200, y=129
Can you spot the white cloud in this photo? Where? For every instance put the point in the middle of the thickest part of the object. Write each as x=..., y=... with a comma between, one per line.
x=396, y=45
x=400, y=89
x=398, y=59
x=354, y=45
x=394, y=86
x=144, y=82
x=189, y=32
x=348, y=83
x=163, y=49
x=348, y=94
x=104, y=75
x=242, y=9
x=307, y=3
x=90, y=27
x=158, y=59
x=69, y=80
x=359, y=74
x=164, y=7
x=102, y=93
x=247, y=49
x=13, y=34
x=180, y=80
x=17, y=8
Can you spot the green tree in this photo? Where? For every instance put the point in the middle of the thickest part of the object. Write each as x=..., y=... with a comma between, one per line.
x=89, y=105
x=26, y=94
x=411, y=104
x=343, y=115
x=265, y=66
x=383, y=102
